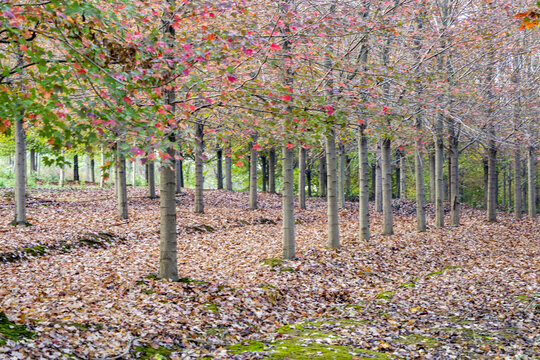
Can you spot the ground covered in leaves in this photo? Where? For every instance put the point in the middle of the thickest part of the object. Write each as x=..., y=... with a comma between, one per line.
x=80, y=283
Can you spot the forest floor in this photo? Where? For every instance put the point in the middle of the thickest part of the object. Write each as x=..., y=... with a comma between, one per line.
x=80, y=283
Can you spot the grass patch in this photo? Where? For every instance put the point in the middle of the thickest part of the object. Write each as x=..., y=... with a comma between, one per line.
x=272, y=262
x=149, y=352
x=12, y=331
x=211, y=307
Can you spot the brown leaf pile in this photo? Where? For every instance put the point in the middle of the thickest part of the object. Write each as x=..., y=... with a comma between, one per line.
x=91, y=302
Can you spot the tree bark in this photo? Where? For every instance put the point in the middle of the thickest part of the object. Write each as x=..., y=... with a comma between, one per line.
x=419, y=178
x=228, y=170
x=432, y=176
x=264, y=174
x=272, y=170
x=219, y=175
x=341, y=176
x=93, y=171
x=20, y=172
x=492, y=183
x=454, y=181
x=379, y=180
x=363, y=184
x=486, y=181
x=62, y=177
x=102, y=171
x=122, y=184
x=289, y=251
x=33, y=166
x=76, y=168
x=322, y=176
x=151, y=179
x=348, y=176
x=302, y=177
x=388, y=221
x=403, y=177
x=439, y=181
x=531, y=181
x=179, y=173
x=199, y=167
x=332, y=191
x=253, y=175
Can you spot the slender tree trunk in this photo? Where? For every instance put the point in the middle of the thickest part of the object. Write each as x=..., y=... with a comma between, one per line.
x=341, y=176
x=398, y=178
x=228, y=170
x=272, y=171
x=439, y=181
x=332, y=192
x=379, y=180
x=62, y=177
x=432, y=176
x=152, y=179
x=509, y=176
x=403, y=177
x=93, y=171
x=76, y=168
x=179, y=173
x=348, y=176
x=264, y=174
x=322, y=176
x=388, y=221
x=168, y=266
x=531, y=181
x=253, y=175
x=219, y=157
x=373, y=179
x=102, y=171
x=363, y=184
x=289, y=251
x=302, y=177
x=122, y=184
x=486, y=181
x=199, y=167
x=308, y=180
x=504, y=184
x=419, y=178
x=454, y=181
x=20, y=172
x=33, y=166
x=492, y=183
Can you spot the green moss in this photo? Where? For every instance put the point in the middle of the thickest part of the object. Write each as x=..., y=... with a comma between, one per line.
x=148, y=291
x=147, y=352
x=211, y=307
x=140, y=282
x=12, y=331
x=524, y=298
x=434, y=273
x=187, y=280
x=303, y=349
x=272, y=262
x=37, y=250
x=152, y=276
x=385, y=295
x=287, y=269
x=416, y=339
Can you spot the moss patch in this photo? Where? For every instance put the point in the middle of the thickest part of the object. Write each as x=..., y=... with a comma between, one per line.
x=310, y=340
x=211, y=307
x=149, y=352
x=38, y=250
x=272, y=262
x=187, y=280
x=12, y=331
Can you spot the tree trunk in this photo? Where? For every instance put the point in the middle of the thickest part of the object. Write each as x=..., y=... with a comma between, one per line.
x=122, y=184
x=439, y=181
x=179, y=173
x=152, y=179
x=33, y=166
x=388, y=221
x=432, y=176
x=398, y=178
x=219, y=157
x=348, y=176
x=62, y=177
x=341, y=176
x=379, y=181
x=531, y=181
x=373, y=179
x=308, y=180
x=492, y=183
x=289, y=251
x=264, y=175
x=253, y=175
x=199, y=167
x=504, y=185
x=332, y=192
x=228, y=170
x=403, y=177
x=272, y=171
x=419, y=181
x=363, y=184
x=486, y=181
x=454, y=181
x=322, y=176
x=102, y=171
x=302, y=177
x=509, y=176
x=93, y=171
x=76, y=168
x=20, y=173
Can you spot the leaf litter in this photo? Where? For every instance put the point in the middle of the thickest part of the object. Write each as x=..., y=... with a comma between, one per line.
x=465, y=292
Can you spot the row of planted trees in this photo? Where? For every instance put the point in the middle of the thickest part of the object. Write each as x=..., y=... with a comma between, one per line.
x=141, y=79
